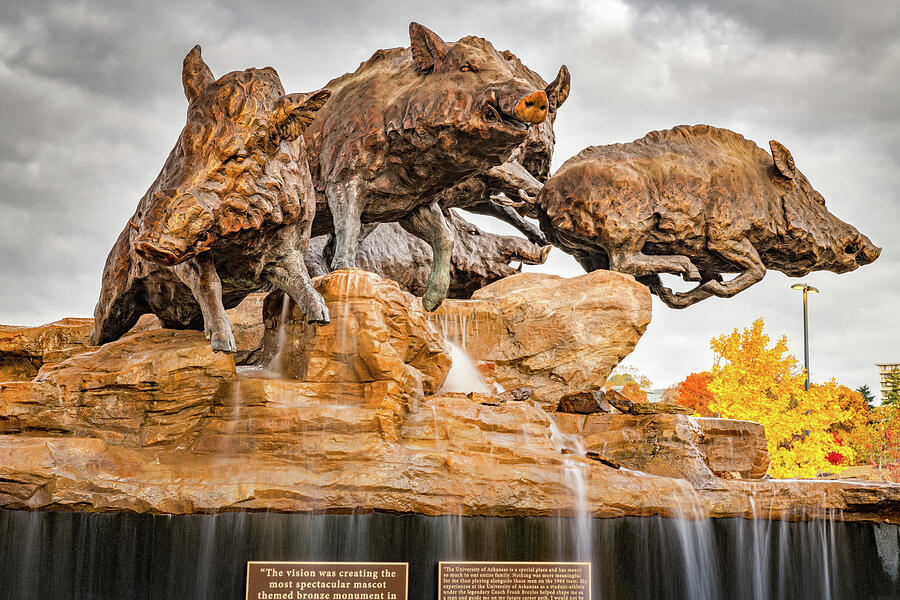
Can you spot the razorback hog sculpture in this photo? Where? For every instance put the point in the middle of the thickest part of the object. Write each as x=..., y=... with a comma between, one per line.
x=479, y=257
x=408, y=124
x=504, y=190
x=697, y=201
x=230, y=211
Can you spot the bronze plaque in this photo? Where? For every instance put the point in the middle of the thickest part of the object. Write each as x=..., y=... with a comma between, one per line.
x=326, y=580
x=469, y=580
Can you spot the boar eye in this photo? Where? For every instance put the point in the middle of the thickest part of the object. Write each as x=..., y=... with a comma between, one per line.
x=468, y=67
x=237, y=158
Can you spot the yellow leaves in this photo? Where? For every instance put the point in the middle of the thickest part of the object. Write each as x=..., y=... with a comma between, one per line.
x=755, y=381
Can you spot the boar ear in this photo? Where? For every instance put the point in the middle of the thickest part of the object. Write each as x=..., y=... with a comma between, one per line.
x=295, y=112
x=195, y=75
x=558, y=90
x=428, y=48
x=784, y=162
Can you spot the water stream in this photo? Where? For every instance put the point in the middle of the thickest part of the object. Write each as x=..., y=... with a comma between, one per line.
x=81, y=556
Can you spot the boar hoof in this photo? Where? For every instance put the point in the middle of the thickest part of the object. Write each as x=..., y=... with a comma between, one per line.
x=431, y=301
x=317, y=313
x=223, y=342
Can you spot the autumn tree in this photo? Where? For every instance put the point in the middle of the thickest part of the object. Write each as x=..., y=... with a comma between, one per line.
x=634, y=386
x=694, y=394
x=758, y=381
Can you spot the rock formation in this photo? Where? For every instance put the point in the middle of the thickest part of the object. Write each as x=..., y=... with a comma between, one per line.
x=549, y=333
x=157, y=422
x=24, y=349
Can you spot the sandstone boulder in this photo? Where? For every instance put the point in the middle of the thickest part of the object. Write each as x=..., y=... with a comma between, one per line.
x=143, y=389
x=378, y=338
x=24, y=349
x=674, y=445
x=731, y=446
x=454, y=455
x=555, y=335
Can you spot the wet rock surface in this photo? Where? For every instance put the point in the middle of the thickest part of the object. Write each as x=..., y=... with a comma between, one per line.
x=157, y=422
x=24, y=349
x=552, y=334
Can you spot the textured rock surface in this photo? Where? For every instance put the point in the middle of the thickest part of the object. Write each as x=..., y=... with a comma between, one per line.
x=552, y=334
x=378, y=336
x=279, y=449
x=732, y=446
x=674, y=445
x=157, y=422
x=144, y=389
x=663, y=444
x=24, y=349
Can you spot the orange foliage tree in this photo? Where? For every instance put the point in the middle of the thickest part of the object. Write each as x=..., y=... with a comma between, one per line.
x=694, y=394
x=756, y=381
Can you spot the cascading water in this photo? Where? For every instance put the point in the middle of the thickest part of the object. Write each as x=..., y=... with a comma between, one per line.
x=463, y=376
x=574, y=478
x=82, y=556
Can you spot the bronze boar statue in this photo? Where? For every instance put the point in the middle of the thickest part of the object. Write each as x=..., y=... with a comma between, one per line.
x=505, y=190
x=479, y=257
x=408, y=124
x=230, y=211
x=695, y=201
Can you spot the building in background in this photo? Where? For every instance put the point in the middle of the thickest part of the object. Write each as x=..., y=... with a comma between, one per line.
x=884, y=369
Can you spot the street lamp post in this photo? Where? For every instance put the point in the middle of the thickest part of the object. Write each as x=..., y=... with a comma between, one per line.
x=806, y=289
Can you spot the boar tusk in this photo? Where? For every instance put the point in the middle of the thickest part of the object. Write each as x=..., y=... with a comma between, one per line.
x=133, y=226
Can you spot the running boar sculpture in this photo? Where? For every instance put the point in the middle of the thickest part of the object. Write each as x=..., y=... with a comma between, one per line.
x=698, y=202
x=230, y=212
x=408, y=124
x=479, y=257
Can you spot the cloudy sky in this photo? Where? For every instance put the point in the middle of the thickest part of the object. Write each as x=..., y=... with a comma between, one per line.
x=92, y=103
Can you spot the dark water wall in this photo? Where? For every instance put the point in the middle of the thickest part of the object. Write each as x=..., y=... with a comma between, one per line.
x=57, y=556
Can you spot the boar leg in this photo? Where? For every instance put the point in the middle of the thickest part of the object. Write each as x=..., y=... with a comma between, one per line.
x=670, y=298
x=290, y=276
x=428, y=223
x=199, y=274
x=743, y=254
x=511, y=216
x=345, y=204
x=629, y=259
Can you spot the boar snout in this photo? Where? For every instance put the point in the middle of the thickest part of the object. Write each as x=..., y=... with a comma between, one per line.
x=176, y=228
x=863, y=250
x=524, y=251
x=156, y=253
x=858, y=251
x=532, y=108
